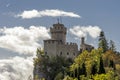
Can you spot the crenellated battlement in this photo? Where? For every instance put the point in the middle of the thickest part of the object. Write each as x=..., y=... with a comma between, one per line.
x=58, y=29
x=59, y=42
x=53, y=41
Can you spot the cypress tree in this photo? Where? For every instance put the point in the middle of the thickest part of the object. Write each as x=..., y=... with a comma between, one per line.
x=101, y=66
x=94, y=69
x=84, y=69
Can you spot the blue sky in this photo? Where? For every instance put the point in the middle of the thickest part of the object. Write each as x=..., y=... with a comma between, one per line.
x=104, y=14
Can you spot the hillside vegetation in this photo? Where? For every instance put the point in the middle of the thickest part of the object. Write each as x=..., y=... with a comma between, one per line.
x=102, y=63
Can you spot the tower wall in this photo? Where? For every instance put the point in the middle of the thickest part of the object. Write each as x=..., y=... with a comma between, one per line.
x=50, y=47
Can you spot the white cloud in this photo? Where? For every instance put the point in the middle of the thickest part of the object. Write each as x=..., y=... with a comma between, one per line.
x=16, y=68
x=53, y=13
x=82, y=31
x=21, y=40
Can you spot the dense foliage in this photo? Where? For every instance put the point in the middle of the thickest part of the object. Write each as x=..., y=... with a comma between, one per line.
x=94, y=65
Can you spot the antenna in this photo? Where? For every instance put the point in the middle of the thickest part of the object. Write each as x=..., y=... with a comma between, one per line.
x=58, y=20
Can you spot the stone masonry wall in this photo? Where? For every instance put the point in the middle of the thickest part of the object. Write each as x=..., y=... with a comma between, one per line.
x=54, y=48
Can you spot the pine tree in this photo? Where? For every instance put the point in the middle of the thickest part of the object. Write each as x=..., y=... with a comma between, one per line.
x=112, y=46
x=103, y=42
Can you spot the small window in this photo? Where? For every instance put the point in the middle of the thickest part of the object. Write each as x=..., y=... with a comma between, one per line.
x=60, y=53
x=45, y=53
x=74, y=54
x=67, y=53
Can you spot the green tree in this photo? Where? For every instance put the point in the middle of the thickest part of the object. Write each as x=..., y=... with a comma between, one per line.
x=87, y=63
x=112, y=64
x=101, y=67
x=112, y=46
x=103, y=42
x=108, y=76
x=83, y=70
x=94, y=69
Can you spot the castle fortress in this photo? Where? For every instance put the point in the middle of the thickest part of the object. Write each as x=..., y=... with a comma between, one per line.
x=57, y=45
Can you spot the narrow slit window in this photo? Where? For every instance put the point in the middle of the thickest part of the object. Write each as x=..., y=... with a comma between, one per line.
x=67, y=53
x=61, y=53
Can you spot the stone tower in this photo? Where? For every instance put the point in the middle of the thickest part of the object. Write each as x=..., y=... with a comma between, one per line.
x=84, y=46
x=57, y=45
x=82, y=40
x=58, y=32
